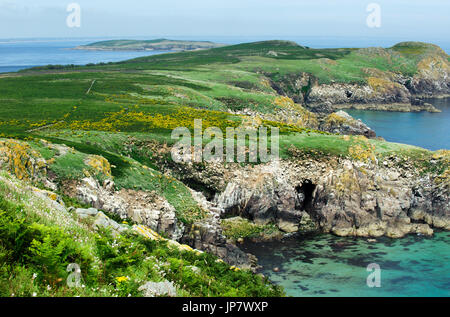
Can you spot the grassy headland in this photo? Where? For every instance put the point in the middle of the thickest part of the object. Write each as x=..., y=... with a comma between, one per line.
x=124, y=112
x=148, y=45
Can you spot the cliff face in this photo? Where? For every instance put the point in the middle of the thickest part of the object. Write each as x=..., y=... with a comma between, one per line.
x=432, y=77
x=345, y=197
x=355, y=195
x=153, y=211
x=382, y=89
x=342, y=123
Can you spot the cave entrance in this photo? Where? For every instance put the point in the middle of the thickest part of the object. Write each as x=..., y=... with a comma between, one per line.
x=307, y=189
x=200, y=187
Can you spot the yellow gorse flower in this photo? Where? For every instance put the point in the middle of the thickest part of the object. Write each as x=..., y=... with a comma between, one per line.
x=121, y=279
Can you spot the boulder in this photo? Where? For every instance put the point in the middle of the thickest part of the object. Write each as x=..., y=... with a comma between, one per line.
x=147, y=208
x=341, y=122
x=157, y=289
x=86, y=213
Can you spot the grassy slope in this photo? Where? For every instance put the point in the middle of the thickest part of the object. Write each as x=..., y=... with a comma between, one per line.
x=152, y=95
x=38, y=242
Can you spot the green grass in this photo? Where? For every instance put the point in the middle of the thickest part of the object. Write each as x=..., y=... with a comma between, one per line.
x=36, y=247
x=52, y=104
x=116, y=120
x=240, y=228
x=70, y=166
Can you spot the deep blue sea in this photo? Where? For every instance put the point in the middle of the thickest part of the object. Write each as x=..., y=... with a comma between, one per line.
x=424, y=129
x=25, y=53
x=321, y=265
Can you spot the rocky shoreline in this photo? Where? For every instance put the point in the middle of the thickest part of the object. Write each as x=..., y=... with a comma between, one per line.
x=302, y=194
x=383, y=90
x=366, y=196
x=393, y=107
x=334, y=195
x=106, y=49
x=148, y=45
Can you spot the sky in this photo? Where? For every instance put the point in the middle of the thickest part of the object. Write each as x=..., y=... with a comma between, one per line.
x=424, y=20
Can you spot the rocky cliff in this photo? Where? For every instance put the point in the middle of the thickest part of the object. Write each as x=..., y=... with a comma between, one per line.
x=388, y=90
x=361, y=194
x=346, y=197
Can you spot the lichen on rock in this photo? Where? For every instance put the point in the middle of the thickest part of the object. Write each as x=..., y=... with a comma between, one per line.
x=20, y=159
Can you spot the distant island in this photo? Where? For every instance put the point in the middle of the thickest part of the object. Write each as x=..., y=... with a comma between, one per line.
x=149, y=45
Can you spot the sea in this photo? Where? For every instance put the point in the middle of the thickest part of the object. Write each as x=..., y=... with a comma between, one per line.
x=318, y=265
x=428, y=130
x=330, y=266
x=18, y=54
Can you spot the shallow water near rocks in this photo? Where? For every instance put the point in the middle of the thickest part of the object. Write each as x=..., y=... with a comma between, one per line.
x=326, y=265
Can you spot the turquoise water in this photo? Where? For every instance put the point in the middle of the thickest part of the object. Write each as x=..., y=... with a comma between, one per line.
x=424, y=129
x=325, y=265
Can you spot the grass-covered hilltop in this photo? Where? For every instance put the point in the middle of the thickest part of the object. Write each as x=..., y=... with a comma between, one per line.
x=148, y=45
x=87, y=175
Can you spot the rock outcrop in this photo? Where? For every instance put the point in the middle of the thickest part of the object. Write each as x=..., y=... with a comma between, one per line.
x=153, y=211
x=207, y=235
x=342, y=123
x=355, y=195
x=156, y=289
x=377, y=90
x=146, y=208
x=20, y=159
x=432, y=77
x=344, y=197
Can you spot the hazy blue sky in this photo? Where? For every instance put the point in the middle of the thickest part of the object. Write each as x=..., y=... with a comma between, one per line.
x=408, y=19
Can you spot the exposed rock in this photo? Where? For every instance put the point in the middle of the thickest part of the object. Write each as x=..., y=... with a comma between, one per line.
x=99, y=164
x=306, y=224
x=341, y=122
x=396, y=107
x=146, y=208
x=103, y=221
x=147, y=232
x=432, y=77
x=324, y=108
x=383, y=90
x=263, y=199
x=152, y=235
x=85, y=213
x=207, y=235
x=153, y=211
x=347, y=198
x=100, y=220
x=52, y=198
x=21, y=160
x=155, y=289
